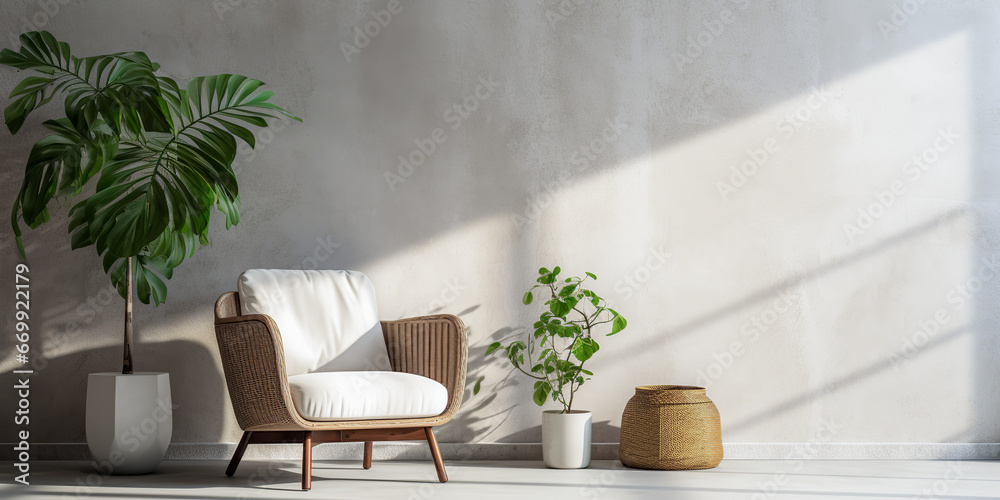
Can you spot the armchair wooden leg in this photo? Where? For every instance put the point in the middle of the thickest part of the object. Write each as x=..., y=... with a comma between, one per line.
x=307, y=459
x=436, y=454
x=238, y=455
x=368, y=455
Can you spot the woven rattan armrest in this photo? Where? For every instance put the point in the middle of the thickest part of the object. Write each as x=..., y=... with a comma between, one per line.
x=435, y=347
x=253, y=362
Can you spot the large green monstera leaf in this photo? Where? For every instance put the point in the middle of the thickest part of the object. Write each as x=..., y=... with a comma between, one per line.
x=162, y=155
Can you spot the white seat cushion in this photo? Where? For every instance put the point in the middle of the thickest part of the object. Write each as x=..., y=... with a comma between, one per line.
x=328, y=320
x=332, y=396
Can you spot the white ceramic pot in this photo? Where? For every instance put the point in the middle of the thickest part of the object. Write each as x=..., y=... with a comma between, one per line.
x=129, y=420
x=566, y=439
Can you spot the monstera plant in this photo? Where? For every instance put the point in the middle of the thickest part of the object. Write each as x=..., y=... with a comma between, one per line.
x=161, y=155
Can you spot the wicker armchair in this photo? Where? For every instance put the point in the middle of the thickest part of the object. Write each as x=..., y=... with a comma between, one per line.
x=252, y=358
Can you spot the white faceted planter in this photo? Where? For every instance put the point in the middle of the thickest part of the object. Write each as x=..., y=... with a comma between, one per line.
x=566, y=439
x=129, y=420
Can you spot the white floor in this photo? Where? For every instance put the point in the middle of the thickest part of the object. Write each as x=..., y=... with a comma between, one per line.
x=734, y=479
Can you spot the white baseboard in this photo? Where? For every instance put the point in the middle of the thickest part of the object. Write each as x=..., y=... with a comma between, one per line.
x=533, y=451
x=862, y=451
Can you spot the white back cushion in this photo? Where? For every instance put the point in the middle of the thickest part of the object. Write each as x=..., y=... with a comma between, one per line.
x=328, y=319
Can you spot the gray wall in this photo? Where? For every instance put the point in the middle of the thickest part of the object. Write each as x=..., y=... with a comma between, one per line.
x=610, y=142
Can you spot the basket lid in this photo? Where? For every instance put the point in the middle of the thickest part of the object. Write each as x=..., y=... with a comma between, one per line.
x=672, y=394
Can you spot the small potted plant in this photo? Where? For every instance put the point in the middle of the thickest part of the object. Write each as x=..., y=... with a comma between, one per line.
x=554, y=354
x=162, y=157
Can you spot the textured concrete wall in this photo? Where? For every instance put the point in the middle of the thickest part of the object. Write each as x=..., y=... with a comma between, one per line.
x=792, y=202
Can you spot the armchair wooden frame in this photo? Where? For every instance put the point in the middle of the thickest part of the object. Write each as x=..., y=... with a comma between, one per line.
x=252, y=358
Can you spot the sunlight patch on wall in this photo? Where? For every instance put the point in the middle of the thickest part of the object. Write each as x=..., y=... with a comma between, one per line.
x=846, y=204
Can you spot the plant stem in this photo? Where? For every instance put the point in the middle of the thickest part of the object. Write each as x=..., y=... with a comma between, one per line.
x=569, y=407
x=127, y=360
x=528, y=374
x=586, y=318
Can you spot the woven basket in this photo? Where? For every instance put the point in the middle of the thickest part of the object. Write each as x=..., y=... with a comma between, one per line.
x=670, y=427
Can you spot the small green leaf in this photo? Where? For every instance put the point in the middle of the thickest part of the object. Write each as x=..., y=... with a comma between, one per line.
x=475, y=388
x=560, y=308
x=493, y=347
x=514, y=353
x=541, y=393
x=584, y=349
x=565, y=366
x=566, y=332
x=619, y=322
x=543, y=271
x=527, y=298
x=592, y=276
